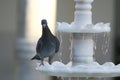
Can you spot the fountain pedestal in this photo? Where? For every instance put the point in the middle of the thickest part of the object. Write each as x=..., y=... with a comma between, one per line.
x=82, y=49
x=83, y=64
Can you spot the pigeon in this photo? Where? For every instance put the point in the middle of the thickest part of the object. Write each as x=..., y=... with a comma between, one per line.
x=47, y=45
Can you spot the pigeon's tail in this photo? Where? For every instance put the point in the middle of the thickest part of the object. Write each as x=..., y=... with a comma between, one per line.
x=36, y=57
x=33, y=58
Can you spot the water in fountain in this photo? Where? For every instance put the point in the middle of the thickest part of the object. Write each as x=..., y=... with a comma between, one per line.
x=95, y=40
x=102, y=41
x=59, y=35
x=105, y=38
x=106, y=43
x=70, y=47
x=60, y=53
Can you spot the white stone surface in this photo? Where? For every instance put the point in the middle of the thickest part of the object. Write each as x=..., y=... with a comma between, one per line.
x=83, y=70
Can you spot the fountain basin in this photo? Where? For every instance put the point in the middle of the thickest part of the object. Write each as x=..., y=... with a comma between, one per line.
x=94, y=69
x=89, y=28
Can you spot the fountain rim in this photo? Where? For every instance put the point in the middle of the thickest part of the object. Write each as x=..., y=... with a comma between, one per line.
x=89, y=28
x=80, y=70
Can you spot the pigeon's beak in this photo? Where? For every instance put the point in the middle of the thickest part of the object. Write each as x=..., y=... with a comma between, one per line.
x=44, y=25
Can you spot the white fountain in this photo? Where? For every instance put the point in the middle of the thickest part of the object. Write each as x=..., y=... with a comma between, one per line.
x=82, y=64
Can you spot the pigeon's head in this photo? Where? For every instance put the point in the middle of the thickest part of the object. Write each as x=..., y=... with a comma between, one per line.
x=44, y=23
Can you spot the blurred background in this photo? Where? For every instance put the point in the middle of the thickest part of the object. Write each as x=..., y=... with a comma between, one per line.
x=20, y=29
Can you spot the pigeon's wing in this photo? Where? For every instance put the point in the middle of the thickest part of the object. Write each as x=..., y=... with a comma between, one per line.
x=57, y=45
x=39, y=45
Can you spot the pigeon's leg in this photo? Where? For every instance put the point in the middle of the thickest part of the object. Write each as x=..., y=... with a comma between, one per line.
x=50, y=59
x=42, y=62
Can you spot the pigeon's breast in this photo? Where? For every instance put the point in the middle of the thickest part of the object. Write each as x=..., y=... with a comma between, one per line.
x=47, y=50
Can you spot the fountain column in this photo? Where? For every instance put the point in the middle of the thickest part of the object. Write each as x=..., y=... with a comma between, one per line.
x=82, y=42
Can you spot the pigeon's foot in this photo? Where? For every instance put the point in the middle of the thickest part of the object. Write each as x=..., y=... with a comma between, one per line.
x=41, y=64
